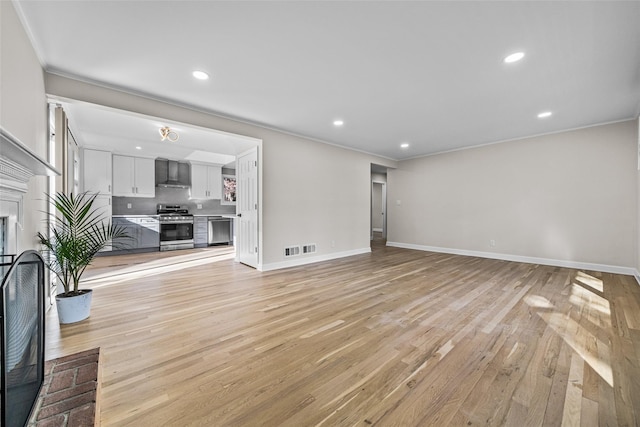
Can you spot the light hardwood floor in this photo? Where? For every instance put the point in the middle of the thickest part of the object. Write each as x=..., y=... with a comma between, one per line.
x=392, y=338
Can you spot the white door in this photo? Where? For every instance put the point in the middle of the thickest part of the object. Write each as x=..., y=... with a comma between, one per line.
x=247, y=208
x=379, y=208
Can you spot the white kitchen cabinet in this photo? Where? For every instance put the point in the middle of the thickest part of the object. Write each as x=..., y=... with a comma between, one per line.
x=206, y=182
x=133, y=176
x=102, y=204
x=96, y=168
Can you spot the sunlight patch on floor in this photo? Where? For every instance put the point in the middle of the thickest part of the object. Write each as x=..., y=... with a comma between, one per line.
x=581, y=296
x=154, y=268
x=595, y=309
x=590, y=281
x=568, y=329
x=537, y=301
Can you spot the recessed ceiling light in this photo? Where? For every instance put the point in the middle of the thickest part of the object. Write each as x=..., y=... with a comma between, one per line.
x=404, y=145
x=338, y=122
x=138, y=148
x=514, y=57
x=544, y=115
x=200, y=75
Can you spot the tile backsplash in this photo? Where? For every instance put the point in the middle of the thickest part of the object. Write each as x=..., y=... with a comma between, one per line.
x=168, y=196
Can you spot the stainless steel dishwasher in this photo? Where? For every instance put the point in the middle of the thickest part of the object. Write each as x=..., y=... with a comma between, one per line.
x=220, y=231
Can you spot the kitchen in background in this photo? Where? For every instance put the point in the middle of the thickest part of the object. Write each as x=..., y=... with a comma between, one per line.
x=171, y=196
x=163, y=181
x=169, y=217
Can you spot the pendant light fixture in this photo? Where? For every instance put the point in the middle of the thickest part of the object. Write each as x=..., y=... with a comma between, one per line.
x=167, y=133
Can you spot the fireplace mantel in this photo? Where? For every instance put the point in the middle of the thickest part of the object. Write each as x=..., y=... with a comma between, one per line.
x=18, y=164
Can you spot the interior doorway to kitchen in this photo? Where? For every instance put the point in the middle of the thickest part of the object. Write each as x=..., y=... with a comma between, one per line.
x=135, y=138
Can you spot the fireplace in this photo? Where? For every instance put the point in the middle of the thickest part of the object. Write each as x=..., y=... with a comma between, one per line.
x=22, y=294
x=21, y=338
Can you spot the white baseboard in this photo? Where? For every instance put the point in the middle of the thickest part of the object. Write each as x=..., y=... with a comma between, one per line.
x=379, y=230
x=303, y=260
x=629, y=271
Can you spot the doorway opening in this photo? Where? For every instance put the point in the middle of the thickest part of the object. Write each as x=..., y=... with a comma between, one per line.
x=378, y=218
x=120, y=140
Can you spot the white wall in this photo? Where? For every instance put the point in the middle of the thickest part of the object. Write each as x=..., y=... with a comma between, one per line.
x=378, y=177
x=638, y=200
x=23, y=112
x=569, y=196
x=317, y=193
x=311, y=192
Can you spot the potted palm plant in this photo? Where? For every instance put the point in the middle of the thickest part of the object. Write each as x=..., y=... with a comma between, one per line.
x=77, y=233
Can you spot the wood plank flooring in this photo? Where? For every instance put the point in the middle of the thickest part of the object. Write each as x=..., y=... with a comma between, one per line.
x=392, y=338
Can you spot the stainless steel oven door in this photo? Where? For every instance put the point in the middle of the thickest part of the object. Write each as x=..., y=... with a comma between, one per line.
x=176, y=235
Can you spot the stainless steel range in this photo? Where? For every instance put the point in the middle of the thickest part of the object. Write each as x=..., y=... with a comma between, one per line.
x=176, y=227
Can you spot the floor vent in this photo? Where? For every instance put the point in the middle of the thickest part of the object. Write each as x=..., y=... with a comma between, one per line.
x=292, y=251
x=309, y=249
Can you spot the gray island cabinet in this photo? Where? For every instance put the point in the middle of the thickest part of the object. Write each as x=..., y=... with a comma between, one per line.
x=143, y=231
x=200, y=231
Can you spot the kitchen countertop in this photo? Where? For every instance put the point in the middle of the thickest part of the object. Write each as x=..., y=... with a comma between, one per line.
x=135, y=216
x=232, y=216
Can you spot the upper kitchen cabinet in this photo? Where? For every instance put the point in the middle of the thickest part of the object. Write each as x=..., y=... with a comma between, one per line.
x=133, y=176
x=97, y=171
x=206, y=181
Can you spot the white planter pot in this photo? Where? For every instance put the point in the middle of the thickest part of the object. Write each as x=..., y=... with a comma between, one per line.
x=75, y=308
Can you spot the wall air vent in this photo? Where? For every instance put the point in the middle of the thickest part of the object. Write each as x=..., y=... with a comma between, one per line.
x=309, y=249
x=291, y=251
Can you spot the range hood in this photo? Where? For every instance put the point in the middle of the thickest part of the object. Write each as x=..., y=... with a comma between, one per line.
x=172, y=174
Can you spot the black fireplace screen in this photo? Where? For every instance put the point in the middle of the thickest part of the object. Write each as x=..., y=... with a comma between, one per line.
x=22, y=338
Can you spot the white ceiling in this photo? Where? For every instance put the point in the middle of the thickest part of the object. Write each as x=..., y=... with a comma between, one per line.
x=427, y=73
x=127, y=133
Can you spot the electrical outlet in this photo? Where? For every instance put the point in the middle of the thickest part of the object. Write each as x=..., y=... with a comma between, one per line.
x=128, y=205
x=199, y=206
x=398, y=202
x=333, y=243
x=492, y=243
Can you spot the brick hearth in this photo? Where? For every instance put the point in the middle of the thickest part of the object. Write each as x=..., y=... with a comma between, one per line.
x=69, y=395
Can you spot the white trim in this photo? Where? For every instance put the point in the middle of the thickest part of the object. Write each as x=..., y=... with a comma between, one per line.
x=636, y=274
x=516, y=139
x=310, y=260
x=11, y=209
x=19, y=161
x=529, y=260
x=378, y=230
x=70, y=76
